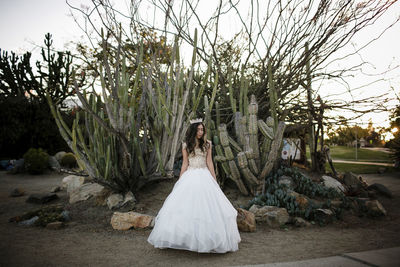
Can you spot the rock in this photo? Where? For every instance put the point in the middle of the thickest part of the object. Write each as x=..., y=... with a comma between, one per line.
x=85, y=192
x=65, y=215
x=300, y=222
x=55, y=225
x=375, y=208
x=54, y=164
x=127, y=220
x=246, y=221
x=114, y=201
x=16, y=166
x=273, y=216
x=352, y=181
x=55, y=189
x=286, y=180
x=71, y=182
x=41, y=198
x=29, y=222
x=129, y=200
x=4, y=163
x=302, y=200
x=101, y=199
x=293, y=193
x=60, y=155
x=381, y=189
x=17, y=192
x=333, y=183
x=324, y=215
x=15, y=219
x=372, y=194
x=362, y=193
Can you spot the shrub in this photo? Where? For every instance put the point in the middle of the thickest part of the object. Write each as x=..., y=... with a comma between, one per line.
x=68, y=160
x=36, y=160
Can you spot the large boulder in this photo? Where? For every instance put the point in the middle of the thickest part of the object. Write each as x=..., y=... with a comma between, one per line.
x=273, y=216
x=72, y=182
x=85, y=192
x=127, y=220
x=246, y=220
x=381, y=189
x=333, y=183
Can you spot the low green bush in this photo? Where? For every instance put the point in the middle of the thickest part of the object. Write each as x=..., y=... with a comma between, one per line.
x=36, y=160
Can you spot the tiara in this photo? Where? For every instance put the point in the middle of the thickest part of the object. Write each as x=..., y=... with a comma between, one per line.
x=196, y=120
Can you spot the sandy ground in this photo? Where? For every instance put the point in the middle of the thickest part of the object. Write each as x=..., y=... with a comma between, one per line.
x=89, y=239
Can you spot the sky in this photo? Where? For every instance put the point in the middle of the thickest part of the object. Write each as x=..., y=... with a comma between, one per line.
x=24, y=24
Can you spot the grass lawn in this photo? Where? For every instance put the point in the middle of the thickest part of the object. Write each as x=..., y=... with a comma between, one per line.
x=358, y=168
x=349, y=153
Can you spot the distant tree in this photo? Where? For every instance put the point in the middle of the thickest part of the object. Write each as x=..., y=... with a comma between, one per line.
x=373, y=138
x=16, y=76
x=346, y=134
x=53, y=73
x=395, y=129
x=25, y=118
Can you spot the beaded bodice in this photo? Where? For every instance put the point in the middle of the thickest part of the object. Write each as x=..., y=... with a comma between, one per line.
x=197, y=159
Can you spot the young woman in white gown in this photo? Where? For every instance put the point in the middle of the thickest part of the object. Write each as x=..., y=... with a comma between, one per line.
x=196, y=215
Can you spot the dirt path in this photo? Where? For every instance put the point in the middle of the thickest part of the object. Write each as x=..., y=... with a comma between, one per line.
x=90, y=240
x=363, y=162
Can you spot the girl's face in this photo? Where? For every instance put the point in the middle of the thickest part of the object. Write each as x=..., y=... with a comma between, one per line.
x=200, y=131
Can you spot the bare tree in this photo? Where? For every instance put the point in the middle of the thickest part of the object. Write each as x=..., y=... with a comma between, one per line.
x=264, y=33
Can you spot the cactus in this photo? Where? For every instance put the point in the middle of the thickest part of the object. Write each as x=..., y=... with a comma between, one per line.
x=131, y=134
x=249, y=157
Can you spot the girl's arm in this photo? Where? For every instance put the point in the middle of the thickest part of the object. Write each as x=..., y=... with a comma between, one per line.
x=185, y=160
x=209, y=161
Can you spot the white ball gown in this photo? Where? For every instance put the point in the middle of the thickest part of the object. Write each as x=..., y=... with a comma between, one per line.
x=196, y=215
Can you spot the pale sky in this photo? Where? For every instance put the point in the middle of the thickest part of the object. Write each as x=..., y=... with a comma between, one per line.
x=25, y=22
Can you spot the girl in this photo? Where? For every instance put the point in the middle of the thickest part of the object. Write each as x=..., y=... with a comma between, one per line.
x=196, y=215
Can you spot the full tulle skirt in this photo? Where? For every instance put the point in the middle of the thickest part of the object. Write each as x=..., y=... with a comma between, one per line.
x=196, y=216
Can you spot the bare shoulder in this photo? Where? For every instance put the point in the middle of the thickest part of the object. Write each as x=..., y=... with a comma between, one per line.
x=184, y=145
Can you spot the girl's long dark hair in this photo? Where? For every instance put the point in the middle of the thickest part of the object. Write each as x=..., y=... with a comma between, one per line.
x=190, y=138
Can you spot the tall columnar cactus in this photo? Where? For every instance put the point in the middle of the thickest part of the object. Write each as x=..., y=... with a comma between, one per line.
x=252, y=156
x=131, y=133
